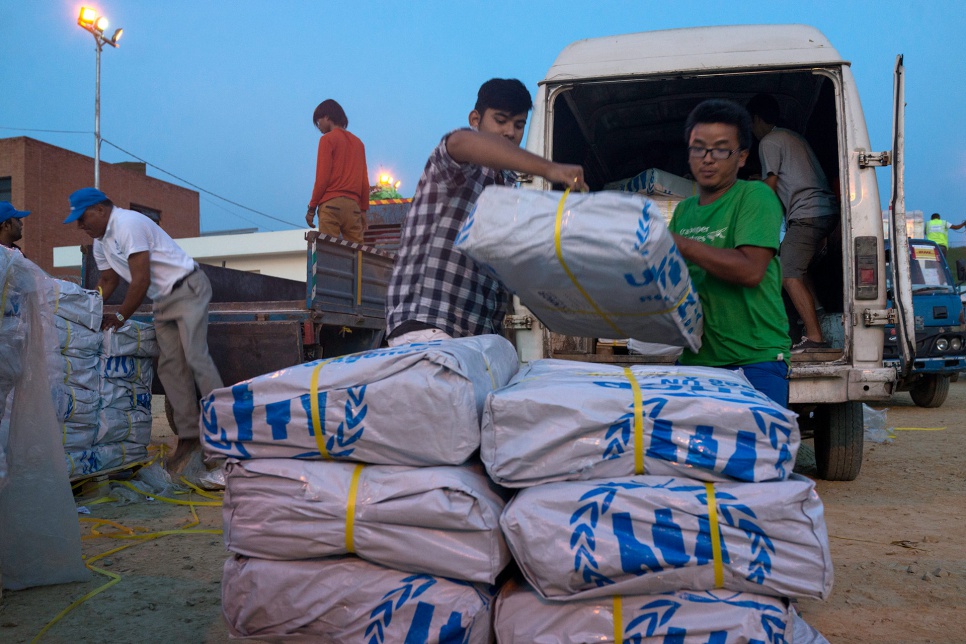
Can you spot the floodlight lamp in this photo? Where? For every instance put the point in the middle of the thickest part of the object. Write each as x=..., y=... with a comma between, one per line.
x=100, y=24
x=384, y=178
x=86, y=17
x=397, y=184
x=116, y=37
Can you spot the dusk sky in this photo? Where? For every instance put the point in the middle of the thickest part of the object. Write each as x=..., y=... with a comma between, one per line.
x=221, y=93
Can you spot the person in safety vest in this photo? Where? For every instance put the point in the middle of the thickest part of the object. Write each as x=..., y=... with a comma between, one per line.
x=937, y=230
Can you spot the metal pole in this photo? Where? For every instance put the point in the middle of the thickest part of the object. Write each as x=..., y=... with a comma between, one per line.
x=97, y=118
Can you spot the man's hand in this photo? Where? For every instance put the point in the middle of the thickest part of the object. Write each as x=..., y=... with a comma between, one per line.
x=571, y=176
x=110, y=321
x=310, y=217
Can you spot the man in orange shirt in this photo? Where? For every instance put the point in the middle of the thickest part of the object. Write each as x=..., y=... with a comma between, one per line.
x=341, y=192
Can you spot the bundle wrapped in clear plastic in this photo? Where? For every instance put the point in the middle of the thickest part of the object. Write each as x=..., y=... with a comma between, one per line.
x=441, y=521
x=682, y=616
x=76, y=405
x=103, y=457
x=133, y=338
x=80, y=373
x=648, y=534
x=76, y=340
x=74, y=303
x=118, y=425
x=416, y=404
x=346, y=599
x=125, y=395
x=130, y=368
x=565, y=420
x=596, y=265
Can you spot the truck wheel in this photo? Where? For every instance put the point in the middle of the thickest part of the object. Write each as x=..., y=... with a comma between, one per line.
x=930, y=391
x=839, y=434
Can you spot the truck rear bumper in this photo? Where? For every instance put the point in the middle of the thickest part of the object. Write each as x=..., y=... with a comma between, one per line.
x=810, y=384
x=948, y=365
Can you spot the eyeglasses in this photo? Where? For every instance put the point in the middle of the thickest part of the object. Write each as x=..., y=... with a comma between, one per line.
x=718, y=154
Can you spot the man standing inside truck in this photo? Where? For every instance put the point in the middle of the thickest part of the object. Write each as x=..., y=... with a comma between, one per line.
x=791, y=169
x=341, y=192
x=728, y=234
x=437, y=292
x=127, y=244
x=937, y=230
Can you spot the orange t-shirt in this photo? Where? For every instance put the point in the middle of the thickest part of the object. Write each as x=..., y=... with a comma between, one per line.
x=341, y=169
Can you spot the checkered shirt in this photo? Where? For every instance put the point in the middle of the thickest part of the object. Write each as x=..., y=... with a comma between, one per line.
x=432, y=282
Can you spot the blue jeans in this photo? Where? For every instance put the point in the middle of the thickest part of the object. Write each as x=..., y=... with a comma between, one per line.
x=770, y=378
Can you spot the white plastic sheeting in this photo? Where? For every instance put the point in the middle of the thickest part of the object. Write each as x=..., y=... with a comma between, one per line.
x=441, y=521
x=76, y=340
x=133, y=338
x=682, y=617
x=417, y=404
x=73, y=303
x=346, y=599
x=39, y=533
x=565, y=420
x=651, y=534
x=597, y=265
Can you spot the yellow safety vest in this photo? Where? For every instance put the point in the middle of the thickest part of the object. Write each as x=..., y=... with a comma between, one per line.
x=936, y=231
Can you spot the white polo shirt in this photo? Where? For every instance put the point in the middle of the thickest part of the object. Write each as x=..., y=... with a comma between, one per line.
x=129, y=232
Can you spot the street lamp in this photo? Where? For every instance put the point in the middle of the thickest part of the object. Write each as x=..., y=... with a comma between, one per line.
x=90, y=21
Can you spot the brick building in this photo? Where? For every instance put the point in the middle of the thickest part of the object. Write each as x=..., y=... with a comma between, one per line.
x=39, y=177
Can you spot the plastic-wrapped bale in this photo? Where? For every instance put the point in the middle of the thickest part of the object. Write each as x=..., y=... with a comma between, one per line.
x=346, y=599
x=133, y=338
x=119, y=425
x=564, y=420
x=76, y=340
x=103, y=457
x=129, y=368
x=75, y=304
x=683, y=617
x=441, y=521
x=124, y=395
x=76, y=405
x=79, y=373
x=649, y=534
x=595, y=265
x=417, y=404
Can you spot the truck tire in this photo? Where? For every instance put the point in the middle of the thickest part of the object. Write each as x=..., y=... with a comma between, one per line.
x=839, y=434
x=930, y=390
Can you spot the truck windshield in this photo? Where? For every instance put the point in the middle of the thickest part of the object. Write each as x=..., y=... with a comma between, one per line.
x=927, y=270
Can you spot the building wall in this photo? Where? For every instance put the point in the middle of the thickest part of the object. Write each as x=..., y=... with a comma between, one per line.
x=43, y=176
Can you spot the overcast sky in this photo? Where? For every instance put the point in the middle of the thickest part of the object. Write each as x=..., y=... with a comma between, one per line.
x=220, y=93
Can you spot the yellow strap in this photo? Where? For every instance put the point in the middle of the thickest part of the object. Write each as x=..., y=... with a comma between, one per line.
x=618, y=619
x=67, y=344
x=492, y=378
x=100, y=291
x=918, y=429
x=558, y=224
x=715, y=536
x=137, y=327
x=3, y=298
x=314, y=402
x=57, y=298
x=638, y=422
x=350, y=510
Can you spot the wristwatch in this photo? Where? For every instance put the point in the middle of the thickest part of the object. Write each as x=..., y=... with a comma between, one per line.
x=119, y=317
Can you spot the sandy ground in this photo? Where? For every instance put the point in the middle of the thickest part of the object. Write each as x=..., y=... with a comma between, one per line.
x=896, y=534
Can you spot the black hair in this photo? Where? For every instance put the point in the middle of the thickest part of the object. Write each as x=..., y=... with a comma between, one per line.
x=765, y=107
x=716, y=110
x=934, y=215
x=506, y=94
x=333, y=110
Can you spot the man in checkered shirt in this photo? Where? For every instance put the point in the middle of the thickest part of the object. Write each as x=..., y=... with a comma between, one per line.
x=436, y=291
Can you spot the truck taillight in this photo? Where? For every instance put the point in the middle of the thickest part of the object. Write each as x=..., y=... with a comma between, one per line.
x=866, y=268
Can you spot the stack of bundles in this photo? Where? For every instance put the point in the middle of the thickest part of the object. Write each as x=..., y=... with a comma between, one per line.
x=126, y=369
x=339, y=467
x=13, y=337
x=655, y=479
x=595, y=265
x=75, y=380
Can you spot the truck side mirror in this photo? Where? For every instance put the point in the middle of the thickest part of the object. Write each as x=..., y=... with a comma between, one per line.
x=961, y=270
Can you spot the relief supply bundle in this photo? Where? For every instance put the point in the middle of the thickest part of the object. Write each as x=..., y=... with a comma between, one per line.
x=346, y=599
x=648, y=534
x=442, y=521
x=565, y=420
x=720, y=616
x=416, y=404
x=595, y=265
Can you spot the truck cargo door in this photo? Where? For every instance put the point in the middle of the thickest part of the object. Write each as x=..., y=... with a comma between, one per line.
x=899, y=266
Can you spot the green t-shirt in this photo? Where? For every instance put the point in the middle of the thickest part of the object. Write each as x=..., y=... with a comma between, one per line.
x=741, y=325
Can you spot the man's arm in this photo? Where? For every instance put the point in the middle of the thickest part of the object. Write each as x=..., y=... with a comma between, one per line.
x=744, y=266
x=468, y=146
x=140, y=265
x=323, y=172
x=772, y=182
x=107, y=282
x=958, y=226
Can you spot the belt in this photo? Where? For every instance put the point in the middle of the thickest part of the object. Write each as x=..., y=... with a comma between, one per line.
x=178, y=284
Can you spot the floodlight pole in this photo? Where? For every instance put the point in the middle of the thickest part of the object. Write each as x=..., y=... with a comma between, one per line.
x=89, y=21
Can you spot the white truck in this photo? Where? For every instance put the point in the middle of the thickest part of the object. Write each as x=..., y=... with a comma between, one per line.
x=617, y=106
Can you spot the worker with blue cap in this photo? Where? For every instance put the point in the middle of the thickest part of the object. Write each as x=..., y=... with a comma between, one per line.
x=129, y=245
x=11, y=225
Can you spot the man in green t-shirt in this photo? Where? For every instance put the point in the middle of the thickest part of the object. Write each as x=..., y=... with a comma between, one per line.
x=729, y=235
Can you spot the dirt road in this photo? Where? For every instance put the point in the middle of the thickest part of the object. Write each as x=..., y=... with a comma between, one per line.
x=898, y=540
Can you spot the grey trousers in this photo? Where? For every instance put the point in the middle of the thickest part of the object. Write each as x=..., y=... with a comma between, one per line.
x=181, y=324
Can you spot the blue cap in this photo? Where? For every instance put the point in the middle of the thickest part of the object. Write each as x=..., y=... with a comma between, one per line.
x=81, y=200
x=7, y=211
